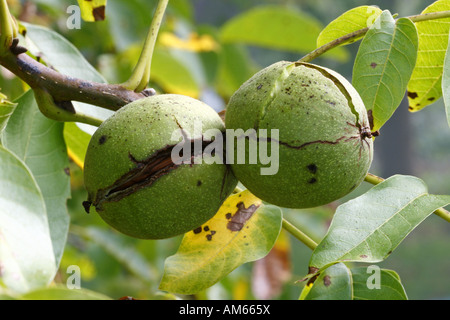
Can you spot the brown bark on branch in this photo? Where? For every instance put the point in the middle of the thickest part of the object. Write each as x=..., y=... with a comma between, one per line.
x=65, y=88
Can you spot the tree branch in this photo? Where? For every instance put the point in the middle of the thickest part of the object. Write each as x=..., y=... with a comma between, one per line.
x=361, y=32
x=65, y=88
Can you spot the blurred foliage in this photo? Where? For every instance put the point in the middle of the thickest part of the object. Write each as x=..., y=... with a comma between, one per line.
x=191, y=58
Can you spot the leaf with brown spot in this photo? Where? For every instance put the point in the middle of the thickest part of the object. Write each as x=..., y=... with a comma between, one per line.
x=426, y=79
x=92, y=10
x=209, y=254
x=384, y=64
x=333, y=283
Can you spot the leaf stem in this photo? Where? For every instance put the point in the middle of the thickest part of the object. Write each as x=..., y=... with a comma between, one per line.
x=6, y=27
x=300, y=235
x=441, y=212
x=359, y=33
x=140, y=77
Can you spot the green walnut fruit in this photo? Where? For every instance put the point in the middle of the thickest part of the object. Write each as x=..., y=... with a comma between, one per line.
x=136, y=181
x=320, y=126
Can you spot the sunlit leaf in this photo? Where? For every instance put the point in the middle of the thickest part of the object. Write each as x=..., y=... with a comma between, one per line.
x=350, y=21
x=383, y=66
x=92, y=10
x=6, y=109
x=374, y=283
x=243, y=230
x=172, y=75
x=334, y=283
x=425, y=85
x=369, y=227
x=77, y=142
x=27, y=259
x=279, y=28
x=195, y=42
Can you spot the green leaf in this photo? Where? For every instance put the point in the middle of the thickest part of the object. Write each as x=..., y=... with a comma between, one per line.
x=425, y=85
x=350, y=21
x=77, y=142
x=117, y=247
x=92, y=10
x=60, y=53
x=334, y=283
x=6, y=109
x=446, y=83
x=384, y=64
x=243, y=230
x=235, y=67
x=27, y=259
x=374, y=283
x=276, y=27
x=172, y=75
x=38, y=142
x=63, y=293
x=369, y=227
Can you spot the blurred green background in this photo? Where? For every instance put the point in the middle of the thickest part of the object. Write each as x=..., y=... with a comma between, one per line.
x=194, y=58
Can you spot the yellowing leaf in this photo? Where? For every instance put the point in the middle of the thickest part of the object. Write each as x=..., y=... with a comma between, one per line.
x=92, y=10
x=350, y=21
x=6, y=109
x=243, y=230
x=77, y=142
x=424, y=87
x=195, y=42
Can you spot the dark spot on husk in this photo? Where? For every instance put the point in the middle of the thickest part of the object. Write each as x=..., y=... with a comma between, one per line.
x=431, y=99
x=259, y=87
x=228, y=216
x=199, y=183
x=197, y=230
x=412, y=95
x=312, y=180
x=209, y=237
x=205, y=228
x=67, y=171
x=241, y=216
x=327, y=281
x=87, y=206
x=312, y=168
x=102, y=139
